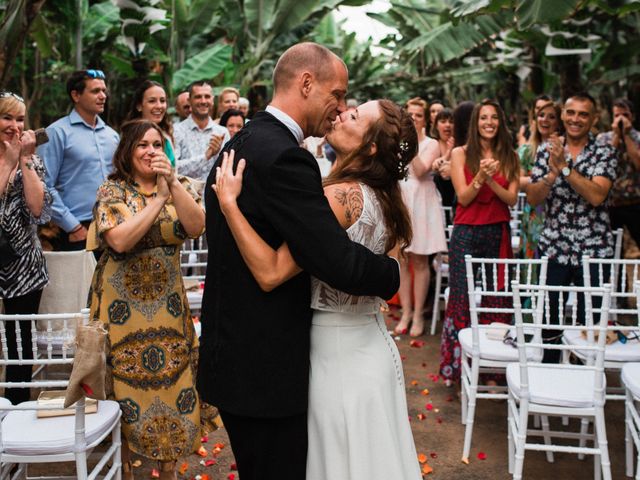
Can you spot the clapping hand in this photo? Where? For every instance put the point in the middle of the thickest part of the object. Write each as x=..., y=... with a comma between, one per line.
x=27, y=143
x=489, y=167
x=165, y=175
x=555, y=147
x=214, y=144
x=228, y=185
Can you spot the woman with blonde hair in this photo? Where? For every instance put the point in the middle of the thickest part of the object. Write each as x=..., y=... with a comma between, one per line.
x=227, y=100
x=423, y=202
x=546, y=121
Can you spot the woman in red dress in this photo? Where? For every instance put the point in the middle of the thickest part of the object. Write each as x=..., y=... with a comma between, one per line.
x=485, y=174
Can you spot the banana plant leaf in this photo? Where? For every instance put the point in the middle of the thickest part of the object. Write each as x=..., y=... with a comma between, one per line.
x=205, y=65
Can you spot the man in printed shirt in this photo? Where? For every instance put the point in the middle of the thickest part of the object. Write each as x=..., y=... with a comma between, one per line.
x=198, y=139
x=573, y=178
x=78, y=157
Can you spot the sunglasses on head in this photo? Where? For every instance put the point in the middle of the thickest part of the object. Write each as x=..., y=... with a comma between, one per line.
x=95, y=74
x=11, y=95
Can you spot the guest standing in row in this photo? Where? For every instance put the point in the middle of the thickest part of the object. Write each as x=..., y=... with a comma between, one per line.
x=423, y=203
x=24, y=201
x=485, y=174
x=142, y=215
x=78, y=157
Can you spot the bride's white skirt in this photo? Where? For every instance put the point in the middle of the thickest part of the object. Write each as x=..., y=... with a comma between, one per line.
x=358, y=421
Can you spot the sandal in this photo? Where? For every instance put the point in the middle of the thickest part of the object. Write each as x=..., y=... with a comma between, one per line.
x=167, y=470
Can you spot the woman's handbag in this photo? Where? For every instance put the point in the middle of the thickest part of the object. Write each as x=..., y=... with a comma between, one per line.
x=7, y=252
x=89, y=364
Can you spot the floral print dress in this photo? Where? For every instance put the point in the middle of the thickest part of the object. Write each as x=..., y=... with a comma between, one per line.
x=140, y=298
x=532, y=217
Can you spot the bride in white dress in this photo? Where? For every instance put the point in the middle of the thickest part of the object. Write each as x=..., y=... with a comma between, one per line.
x=357, y=420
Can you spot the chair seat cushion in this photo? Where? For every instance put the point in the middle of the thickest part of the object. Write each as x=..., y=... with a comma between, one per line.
x=569, y=387
x=25, y=434
x=494, y=349
x=631, y=378
x=614, y=352
x=4, y=402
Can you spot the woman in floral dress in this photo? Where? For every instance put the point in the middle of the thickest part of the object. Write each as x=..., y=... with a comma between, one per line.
x=546, y=121
x=143, y=214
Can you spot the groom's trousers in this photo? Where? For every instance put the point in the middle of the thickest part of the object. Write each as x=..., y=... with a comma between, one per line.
x=268, y=448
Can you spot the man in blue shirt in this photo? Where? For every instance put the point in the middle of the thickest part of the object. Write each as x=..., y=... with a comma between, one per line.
x=78, y=157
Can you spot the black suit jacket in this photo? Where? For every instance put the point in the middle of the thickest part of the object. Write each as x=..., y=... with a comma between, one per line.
x=254, y=349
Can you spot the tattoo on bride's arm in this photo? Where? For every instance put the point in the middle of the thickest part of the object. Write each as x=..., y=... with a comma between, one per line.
x=352, y=200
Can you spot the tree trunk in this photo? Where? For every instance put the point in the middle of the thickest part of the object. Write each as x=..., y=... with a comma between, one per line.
x=19, y=15
x=570, y=76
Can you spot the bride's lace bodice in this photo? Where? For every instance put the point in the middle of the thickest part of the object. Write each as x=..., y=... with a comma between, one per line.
x=369, y=230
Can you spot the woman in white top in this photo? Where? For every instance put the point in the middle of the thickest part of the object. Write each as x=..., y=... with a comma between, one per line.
x=423, y=202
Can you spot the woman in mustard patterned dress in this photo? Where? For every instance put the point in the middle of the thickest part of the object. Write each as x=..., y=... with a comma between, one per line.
x=143, y=214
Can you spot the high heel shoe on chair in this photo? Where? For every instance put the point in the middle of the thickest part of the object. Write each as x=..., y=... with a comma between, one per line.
x=167, y=470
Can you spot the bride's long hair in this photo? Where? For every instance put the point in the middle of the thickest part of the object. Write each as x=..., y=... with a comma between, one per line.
x=397, y=144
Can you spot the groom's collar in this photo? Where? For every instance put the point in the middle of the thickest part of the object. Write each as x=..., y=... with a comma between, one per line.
x=289, y=122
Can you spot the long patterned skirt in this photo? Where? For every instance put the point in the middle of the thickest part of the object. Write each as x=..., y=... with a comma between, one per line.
x=480, y=241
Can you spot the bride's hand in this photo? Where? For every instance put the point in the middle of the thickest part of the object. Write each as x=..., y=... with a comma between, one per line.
x=228, y=185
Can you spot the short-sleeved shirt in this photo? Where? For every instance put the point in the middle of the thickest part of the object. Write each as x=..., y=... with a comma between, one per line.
x=572, y=226
x=626, y=189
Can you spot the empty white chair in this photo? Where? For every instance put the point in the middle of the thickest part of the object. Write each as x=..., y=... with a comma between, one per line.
x=441, y=268
x=27, y=439
x=489, y=282
x=630, y=376
x=614, y=272
x=558, y=389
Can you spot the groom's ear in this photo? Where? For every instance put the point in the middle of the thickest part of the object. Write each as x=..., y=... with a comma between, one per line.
x=306, y=81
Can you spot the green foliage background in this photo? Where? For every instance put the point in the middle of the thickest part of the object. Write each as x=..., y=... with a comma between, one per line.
x=450, y=49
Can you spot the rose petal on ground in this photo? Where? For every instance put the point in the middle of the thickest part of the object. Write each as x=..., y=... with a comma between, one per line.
x=414, y=383
x=202, y=452
x=403, y=358
x=233, y=466
x=433, y=455
x=439, y=419
x=422, y=458
x=429, y=406
x=416, y=343
x=426, y=469
x=204, y=476
x=204, y=439
x=424, y=364
x=208, y=463
x=155, y=473
x=425, y=391
x=421, y=416
x=482, y=456
x=231, y=476
x=183, y=468
x=218, y=445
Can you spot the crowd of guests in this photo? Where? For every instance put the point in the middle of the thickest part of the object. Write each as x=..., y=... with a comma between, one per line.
x=133, y=198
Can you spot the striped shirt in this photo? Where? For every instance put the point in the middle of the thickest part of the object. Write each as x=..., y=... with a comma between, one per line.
x=29, y=271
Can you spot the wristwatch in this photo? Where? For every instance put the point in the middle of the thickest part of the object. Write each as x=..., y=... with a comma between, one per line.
x=566, y=171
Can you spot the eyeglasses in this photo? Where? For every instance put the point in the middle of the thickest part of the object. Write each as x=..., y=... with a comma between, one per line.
x=11, y=95
x=95, y=74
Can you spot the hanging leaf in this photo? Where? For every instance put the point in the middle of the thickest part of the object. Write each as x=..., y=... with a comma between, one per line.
x=206, y=64
x=532, y=12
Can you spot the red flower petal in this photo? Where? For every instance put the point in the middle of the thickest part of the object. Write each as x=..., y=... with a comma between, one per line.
x=429, y=406
x=204, y=439
x=208, y=463
x=482, y=456
x=233, y=466
x=155, y=473
x=231, y=476
x=202, y=452
x=433, y=455
x=183, y=468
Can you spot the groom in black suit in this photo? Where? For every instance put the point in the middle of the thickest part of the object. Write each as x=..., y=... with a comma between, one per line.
x=254, y=350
